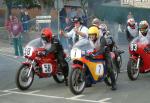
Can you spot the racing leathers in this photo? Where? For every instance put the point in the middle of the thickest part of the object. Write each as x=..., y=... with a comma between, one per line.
x=56, y=47
x=102, y=46
x=131, y=33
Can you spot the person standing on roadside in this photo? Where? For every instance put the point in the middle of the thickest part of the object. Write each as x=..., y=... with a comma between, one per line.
x=15, y=29
x=25, y=21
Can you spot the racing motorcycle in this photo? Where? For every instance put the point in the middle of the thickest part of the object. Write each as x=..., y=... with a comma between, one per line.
x=85, y=69
x=139, y=50
x=42, y=66
x=118, y=57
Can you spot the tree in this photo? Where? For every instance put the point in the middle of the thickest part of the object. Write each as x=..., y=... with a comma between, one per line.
x=83, y=6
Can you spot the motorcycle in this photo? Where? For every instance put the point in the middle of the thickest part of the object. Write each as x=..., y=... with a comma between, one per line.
x=118, y=57
x=42, y=66
x=139, y=57
x=85, y=69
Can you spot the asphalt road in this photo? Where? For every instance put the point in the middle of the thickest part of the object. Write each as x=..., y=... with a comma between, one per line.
x=47, y=91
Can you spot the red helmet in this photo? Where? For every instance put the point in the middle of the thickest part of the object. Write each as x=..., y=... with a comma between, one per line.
x=46, y=34
x=131, y=23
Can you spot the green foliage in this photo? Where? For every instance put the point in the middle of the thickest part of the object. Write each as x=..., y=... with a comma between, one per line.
x=22, y=3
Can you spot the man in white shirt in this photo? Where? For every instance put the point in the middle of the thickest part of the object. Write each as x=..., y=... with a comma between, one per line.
x=78, y=32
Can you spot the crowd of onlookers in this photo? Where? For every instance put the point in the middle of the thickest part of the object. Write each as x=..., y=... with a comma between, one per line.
x=15, y=27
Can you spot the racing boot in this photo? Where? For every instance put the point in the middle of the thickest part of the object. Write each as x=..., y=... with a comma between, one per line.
x=65, y=69
x=113, y=81
x=88, y=82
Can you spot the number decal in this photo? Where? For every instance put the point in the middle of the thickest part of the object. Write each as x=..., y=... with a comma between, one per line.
x=133, y=47
x=47, y=68
x=75, y=53
x=28, y=51
x=99, y=69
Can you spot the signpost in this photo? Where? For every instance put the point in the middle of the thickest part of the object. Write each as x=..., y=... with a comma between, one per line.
x=44, y=20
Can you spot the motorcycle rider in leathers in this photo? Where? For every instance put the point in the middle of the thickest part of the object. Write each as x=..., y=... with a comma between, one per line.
x=144, y=30
x=102, y=47
x=52, y=44
x=131, y=29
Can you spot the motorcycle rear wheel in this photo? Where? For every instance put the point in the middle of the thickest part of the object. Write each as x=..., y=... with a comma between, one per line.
x=76, y=81
x=22, y=81
x=133, y=73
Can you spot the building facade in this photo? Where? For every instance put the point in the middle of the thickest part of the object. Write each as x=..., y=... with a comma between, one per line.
x=136, y=3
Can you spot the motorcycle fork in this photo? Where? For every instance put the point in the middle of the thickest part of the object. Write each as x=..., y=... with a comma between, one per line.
x=30, y=68
x=138, y=62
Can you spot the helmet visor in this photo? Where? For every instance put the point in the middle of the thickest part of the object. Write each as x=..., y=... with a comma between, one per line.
x=92, y=36
x=44, y=38
x=143, y=30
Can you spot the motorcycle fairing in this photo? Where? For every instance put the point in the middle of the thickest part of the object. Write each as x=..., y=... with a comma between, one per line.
x=96, y=67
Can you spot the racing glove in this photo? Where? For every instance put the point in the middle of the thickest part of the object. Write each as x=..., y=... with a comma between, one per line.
x=41, y=53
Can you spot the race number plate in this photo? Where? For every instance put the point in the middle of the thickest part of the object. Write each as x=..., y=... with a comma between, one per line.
x=46, y=68
x=75, y=53
x=28, y=51
x=99, y=69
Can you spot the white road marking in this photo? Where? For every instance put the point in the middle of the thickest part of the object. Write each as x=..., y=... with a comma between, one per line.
x=86, y=100
x=104, y=100
x=5, y=94
x=7, y=90
x=75, y=97
x=39, y=95
x=33, y=91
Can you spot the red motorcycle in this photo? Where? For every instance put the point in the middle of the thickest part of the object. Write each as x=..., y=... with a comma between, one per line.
x=42, y=66
x=139, y=50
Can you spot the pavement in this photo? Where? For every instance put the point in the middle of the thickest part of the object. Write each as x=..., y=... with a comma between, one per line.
x=7, y=48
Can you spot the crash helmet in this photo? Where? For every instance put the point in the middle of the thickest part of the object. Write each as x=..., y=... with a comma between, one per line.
x=131, y=23
x=96, y=22
x=143, y=27
x=93, y=33
x=46, y=34
x=103, y=28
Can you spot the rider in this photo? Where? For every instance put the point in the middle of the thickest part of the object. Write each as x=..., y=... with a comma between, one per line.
x=131, y=29
x=96, y=22
x=102, y=47
x=52, y=44
x=144, y=29
x=107, y=36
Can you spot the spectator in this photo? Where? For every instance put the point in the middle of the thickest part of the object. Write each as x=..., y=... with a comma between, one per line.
x=21, y=14
x=25, y=21
x=62, y=18
x=62, y=25
x=130, y=16
x=14, y=28
x=78, y=32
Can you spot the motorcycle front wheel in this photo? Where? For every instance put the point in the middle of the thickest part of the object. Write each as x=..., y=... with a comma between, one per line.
x=107, y=79
x=76, y=81
x=132, y=71
x=59, y=77
x=119, y=62
x=23, y=81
